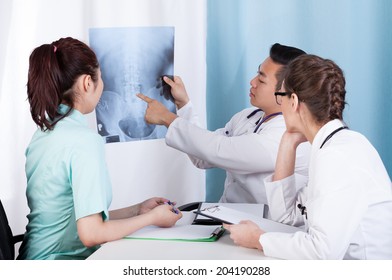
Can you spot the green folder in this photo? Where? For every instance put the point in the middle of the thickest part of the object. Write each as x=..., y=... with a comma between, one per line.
x=187, y=233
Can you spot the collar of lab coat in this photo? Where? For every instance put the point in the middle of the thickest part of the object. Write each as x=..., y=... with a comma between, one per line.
x=324, y=131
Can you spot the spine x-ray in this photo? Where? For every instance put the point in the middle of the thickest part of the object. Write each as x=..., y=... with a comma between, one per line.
x=132, y=60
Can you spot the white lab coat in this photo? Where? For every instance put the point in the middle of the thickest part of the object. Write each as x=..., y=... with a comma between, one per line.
x=246, y=156
x=348, y=201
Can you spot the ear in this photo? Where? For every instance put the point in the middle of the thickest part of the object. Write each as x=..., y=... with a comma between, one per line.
x=83, y=83
x=294, y=101
x=87, y=82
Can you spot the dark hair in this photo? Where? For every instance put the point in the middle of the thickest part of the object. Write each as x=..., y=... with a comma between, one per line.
x=283, y=55
x=320, y=84
x=53, y=70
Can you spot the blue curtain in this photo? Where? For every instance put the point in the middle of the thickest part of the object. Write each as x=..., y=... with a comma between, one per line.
x=356, y=34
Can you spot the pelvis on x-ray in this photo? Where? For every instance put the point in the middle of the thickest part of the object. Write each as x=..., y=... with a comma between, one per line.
x=132, y=60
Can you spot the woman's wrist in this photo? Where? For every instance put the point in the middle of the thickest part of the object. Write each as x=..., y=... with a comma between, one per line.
x=285, y=162
x=136, y=209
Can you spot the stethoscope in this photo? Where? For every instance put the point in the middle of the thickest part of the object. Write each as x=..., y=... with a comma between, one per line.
x=332, y=134
x=303, y=207
x=261, y=120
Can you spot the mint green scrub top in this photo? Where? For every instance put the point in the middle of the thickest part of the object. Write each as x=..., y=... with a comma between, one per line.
x=67, y=179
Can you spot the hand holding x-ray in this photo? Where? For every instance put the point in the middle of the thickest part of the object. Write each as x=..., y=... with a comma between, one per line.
x=178, y=90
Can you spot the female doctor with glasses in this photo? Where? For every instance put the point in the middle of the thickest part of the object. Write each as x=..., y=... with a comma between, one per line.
x=347, y=204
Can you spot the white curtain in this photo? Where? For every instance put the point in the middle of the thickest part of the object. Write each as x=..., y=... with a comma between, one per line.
x=138, y=169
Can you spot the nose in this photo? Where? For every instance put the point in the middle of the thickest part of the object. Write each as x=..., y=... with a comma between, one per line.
x=253, y=82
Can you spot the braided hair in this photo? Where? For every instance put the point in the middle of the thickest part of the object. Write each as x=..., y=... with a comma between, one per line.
x=320, y=84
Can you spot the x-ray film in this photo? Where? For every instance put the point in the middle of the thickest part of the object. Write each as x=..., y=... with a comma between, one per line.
x=132, y=60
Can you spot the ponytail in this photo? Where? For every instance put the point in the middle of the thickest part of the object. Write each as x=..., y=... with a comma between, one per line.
x=53, y=70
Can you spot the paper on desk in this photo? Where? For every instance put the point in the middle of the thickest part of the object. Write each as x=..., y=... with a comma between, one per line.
x=233, y=216
x=182, y=231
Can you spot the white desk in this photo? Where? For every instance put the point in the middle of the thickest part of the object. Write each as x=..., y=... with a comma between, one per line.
x=223, y=249
x=127, y=249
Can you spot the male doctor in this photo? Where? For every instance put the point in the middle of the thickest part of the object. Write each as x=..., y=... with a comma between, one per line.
x=248, y=144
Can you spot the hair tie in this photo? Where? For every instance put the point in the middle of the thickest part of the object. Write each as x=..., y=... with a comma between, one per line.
x=55, y=48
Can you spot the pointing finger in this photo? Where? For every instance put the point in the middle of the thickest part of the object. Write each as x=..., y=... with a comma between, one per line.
x=144, y=97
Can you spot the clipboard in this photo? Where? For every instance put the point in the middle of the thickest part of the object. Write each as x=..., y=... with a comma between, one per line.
x=204, y=221
x=227, y=215
x=215, y=214
x=213, y=219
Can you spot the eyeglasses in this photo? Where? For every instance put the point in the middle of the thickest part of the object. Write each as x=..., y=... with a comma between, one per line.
x=278, y=96
x=212, y=209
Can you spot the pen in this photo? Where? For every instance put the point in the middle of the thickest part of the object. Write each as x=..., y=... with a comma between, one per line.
x=175, y=210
